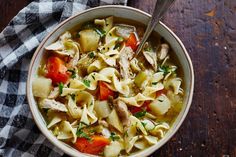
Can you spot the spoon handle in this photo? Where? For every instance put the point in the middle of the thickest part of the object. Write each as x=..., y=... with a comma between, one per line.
x=160, y=8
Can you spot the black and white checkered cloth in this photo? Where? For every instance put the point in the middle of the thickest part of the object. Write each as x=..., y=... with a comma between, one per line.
x=19, y=136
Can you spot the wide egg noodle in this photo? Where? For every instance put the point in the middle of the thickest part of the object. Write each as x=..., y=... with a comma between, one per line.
x=68, y=91
x=110, y=41
x=157, y=77
x=134, y=65
x=94, y=78
x=77, y=84
x=160, y=129
x=74, y=111
x=87, y=117
x=117, y=85
x=175, y=83
x=97, y=65
x=109, y=72
x=55, y=120
x=67, y=132
x=85, y=98
x=65, y=45
x=151, y=139
x=149, y=125
x=130, y=143
x=121, y=87
x=151, y=91
x=141, y=144
x=110, y=57
x=139, y=125
x=136, y=100
x=111, y=36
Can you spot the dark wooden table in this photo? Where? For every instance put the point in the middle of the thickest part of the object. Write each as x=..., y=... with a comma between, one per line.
x=208, y=30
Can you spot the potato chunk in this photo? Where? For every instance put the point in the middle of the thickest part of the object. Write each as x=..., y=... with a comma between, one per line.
x=160, y=105
x=113, y=150
x=89, y=40
x=41, y=87
x=102, y=109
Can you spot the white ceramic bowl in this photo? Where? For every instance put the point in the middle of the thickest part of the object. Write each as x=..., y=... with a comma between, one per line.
x=127, y=13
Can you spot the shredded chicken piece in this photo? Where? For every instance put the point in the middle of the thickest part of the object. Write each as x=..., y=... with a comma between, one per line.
x=164, y=51
x=74, y=61
x=124, y=30
x=122, y=111
x=151, y=57
x=125, y=55
x=54, y=93
x=54, y=105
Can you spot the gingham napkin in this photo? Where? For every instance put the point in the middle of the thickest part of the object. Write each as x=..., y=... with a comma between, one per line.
x=19, y=136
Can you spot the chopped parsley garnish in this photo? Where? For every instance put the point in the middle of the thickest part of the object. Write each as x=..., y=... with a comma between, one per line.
x=77, y=35
x=81, y=133
x=118, y=45
x=93, y=77
x=138, y=131
x=144, y=124
x=83, y=123
x=100, y=32
x=91, y=55
x=88, y=25
x=165, y=69
x=46, y=110
x=160, y=100
x=92, y=131
x=148, y=49
x=168, y=69
x=154, y=83
x=73, y=73
x=120, y=39
x=114, y=137
x=86, y=83
x=140, y=114
x=73, y=96
x=91, y=25
x=60, y=86
x=126, y=134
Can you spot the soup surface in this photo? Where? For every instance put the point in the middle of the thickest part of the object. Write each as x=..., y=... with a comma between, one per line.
x=100, y=99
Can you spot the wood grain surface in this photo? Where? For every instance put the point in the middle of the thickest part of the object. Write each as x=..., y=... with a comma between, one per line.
x=208, y=30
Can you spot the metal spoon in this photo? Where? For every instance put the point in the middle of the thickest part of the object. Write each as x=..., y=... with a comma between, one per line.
x=161, y=7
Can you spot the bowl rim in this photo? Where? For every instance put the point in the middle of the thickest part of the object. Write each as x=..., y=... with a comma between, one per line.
x=189, y=63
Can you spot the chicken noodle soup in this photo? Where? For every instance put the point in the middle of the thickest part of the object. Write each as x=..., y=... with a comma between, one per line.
x=96, y=97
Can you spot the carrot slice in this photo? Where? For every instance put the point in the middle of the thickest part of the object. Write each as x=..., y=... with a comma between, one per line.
x=56, y=70
x=104, y=91
x=132, y=42
x=94, y=146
